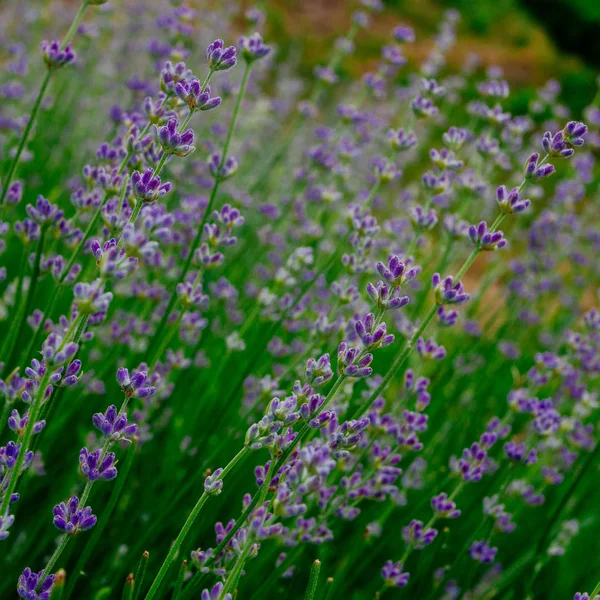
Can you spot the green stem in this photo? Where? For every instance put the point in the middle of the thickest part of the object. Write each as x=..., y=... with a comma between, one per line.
x=75, y=24
x=59, y=550
x=187, y=526
x=467, y=264
x=595, y=592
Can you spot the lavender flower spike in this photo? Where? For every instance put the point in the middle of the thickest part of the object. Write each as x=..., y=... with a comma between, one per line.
x=172, y=142
x=133, y=386
x=191, y=93
x=510, y=202
x=148, y=187
x=29, y=582
x=447, y=292
x=535, y=171
x=94, y=466
x=215, y=593
x=484, y=239
x=393, y=575
x=71, y=519
x=220, y=58
x=253, y=47
x=213, y=484
x=54, y=57
x=113, y=425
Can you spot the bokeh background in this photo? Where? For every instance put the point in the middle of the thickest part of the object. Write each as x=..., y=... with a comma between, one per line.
x=532, y=40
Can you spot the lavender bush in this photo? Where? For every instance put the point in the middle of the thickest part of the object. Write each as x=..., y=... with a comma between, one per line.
x=268, y=336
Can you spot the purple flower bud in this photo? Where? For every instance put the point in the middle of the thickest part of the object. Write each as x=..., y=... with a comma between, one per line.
x=95, y=465
x=55, y=57
x=252, y=47
x=219, y=57
x=172, y=142
x=510, y=202
x=484, y=239
x=447, y=292
x=482, y=552
x=213, y=484
x=197, y=99
x=29, y=582
x=71, y=519
x=113, y=425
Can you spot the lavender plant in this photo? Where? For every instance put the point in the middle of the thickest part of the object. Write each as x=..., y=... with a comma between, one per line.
x=324, y=337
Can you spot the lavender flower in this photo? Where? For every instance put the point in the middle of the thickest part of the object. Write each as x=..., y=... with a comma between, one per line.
x=482, y=552
x=112, y=260
x=510, y=202
x=352, y=363
x=443, y=507
x=29, y=582
x=55, y=57
x=148, y=187
x=97, y=465
x=252, y=47
x=448, y=292
x=114, y=425
x=219, y=57
x=416, y=535
x=484, y=239
x=222, y=171
x=393, y=575
x=197, y=99
x=535, y=170
x=318, y=372
x=371, y=334
x=71, y=519
x=133, y=386
x=215, y=593
x=18, y=423
x=172, y=142
x=213, y=484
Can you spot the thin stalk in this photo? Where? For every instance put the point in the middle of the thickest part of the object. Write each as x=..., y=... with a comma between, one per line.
x=128, y=588
x=187, y=526
x=55, y=556
x=75, y=24
x=188, y=263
